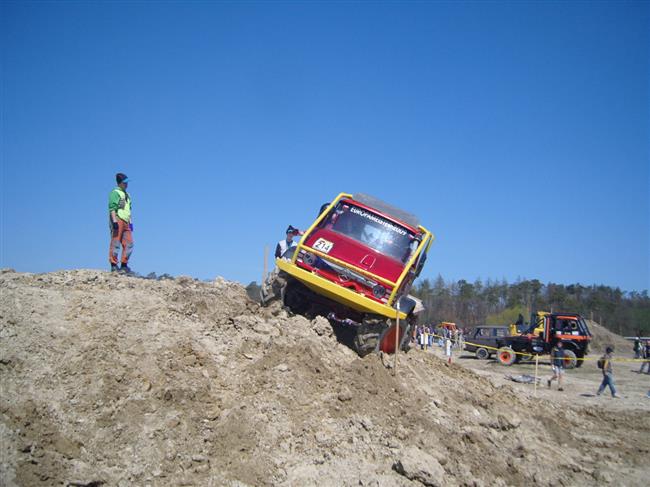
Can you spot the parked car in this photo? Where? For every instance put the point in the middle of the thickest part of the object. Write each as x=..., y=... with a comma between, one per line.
x=481, y=337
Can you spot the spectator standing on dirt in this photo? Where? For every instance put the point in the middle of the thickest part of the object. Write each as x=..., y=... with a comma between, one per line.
x=605, y=364
x=448, y=349
x=287, y=243
x=646, y=357
x=637, y=347
x=120, y=225
x=557, y=363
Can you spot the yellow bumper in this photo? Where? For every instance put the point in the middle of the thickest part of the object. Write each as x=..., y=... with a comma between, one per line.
x=345, y=296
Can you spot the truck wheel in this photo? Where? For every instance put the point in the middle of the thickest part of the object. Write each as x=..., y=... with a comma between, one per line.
x=482, y=353
x=526, y=357
x=580, y=362
x=294, y=297
x=506, y=356
x=570, y=359
x=365, y=344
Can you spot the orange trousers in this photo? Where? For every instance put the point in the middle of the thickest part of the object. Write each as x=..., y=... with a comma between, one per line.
x=121, y=237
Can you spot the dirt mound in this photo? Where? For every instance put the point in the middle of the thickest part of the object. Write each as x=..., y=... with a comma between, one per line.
x=113, y=380
x=603, y=338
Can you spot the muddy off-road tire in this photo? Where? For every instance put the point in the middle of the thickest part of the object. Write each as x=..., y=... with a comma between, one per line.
x=482, y=353
x=570, y=361
x=579, y=362
x=506, y=356
x=369, y=333
x=365, y=344
x=294, y=298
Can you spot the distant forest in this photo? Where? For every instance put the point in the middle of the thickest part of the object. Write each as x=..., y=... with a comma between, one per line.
x=498, y=302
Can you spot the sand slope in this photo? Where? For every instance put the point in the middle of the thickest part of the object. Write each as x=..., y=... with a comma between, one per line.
x=109, y=379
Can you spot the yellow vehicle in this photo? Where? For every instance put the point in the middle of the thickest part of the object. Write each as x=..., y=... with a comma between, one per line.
x=356, y=264
x=518, y=327
x=448, y=325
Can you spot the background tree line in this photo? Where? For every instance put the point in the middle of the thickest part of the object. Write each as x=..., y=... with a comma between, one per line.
x=498, y=302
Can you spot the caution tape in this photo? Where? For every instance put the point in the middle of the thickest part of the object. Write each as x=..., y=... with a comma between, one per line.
x=527, y=354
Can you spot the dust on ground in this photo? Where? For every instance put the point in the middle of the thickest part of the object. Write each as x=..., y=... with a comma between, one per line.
x=111, y=380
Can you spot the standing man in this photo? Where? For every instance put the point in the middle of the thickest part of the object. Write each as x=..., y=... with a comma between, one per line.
x=273, y=284
x=119, y=221
x=287, y=243
x=448, y=349
x=646, y=356
x=637, y=347
x=605, y=363
x=557, y=362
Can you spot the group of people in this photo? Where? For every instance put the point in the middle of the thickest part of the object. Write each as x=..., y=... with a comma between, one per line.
x=425, y=336
x=604, y=364
x=121, y=230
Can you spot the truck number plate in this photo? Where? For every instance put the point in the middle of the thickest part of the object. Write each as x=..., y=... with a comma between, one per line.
x=323, y=245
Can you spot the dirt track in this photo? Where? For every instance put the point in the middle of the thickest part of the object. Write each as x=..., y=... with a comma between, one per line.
x=580, y=384
x=113, y=380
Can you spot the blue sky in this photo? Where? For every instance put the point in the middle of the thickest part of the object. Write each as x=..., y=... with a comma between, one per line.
x=517, y=131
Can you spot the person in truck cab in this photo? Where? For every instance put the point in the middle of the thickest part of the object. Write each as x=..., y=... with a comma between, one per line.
x=287, y=243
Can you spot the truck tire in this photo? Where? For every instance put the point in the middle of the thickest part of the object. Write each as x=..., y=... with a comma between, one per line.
x=579, y=362
x=570, y=361
x=506, y=356
x=526, y=357
x=482, y=353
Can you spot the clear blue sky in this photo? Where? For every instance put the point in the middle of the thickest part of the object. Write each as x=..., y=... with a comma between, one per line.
x=518, y=131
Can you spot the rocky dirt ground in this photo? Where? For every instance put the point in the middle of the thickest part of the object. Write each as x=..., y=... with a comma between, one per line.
x=113, y=380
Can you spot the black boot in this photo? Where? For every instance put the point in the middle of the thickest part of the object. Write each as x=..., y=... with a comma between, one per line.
x=114, y=268
x=126, y=269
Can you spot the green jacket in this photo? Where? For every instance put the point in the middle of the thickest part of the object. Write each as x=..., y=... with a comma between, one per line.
x=119, y=201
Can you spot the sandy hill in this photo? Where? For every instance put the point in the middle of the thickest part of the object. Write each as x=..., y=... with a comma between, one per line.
x=114, y=380
x=604, y=338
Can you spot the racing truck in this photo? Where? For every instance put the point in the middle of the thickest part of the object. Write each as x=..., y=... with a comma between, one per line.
x=355, y=265
x=542, y=334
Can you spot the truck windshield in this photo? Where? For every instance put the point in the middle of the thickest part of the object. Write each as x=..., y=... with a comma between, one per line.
x=372, y=230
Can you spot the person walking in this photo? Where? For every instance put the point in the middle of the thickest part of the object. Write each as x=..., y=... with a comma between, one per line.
x=605, y=363
x=557, y=363
x=120, y=224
